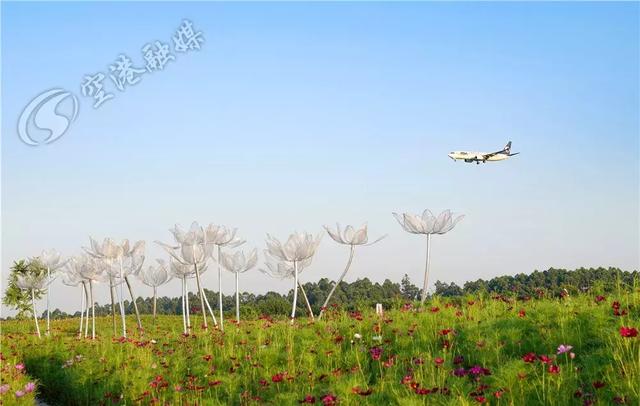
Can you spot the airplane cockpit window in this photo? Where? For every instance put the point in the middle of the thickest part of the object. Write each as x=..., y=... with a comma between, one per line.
x=463, y=153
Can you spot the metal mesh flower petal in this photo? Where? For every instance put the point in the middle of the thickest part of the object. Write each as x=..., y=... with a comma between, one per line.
x=52, y=260
x=222, y=236
x=427, y=223
x=299, y=246
x=239, y=262
x=351, y=236
x=31, y=281
x=155, y=276
x=282, y=269
x=179, y=270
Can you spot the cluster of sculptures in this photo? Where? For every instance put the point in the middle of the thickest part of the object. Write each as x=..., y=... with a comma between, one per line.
x=117, y=264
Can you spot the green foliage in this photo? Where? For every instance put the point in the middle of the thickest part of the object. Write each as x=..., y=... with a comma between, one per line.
x=14, y=296
x=268, y=361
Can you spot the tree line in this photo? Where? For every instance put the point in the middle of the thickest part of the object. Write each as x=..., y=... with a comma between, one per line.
x=364, y=293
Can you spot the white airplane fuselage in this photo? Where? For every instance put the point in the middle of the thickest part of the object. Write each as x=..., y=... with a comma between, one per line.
x=469, y=156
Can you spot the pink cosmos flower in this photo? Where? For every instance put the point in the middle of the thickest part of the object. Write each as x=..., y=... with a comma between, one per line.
x=4, y=388
x=20, y=367
x=562, y=348
x=29, y=387
x=20, y=393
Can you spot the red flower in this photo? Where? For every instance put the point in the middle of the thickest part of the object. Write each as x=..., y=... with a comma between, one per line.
x=446, y=331
x=545, y=360
x=598, y=384
x=308, y=399
x=600, y=298
x=522, y=313
x=480, y=399
x=329, y=399
x=277, y=377
x=376, y=353
x=498, y=394
x=438, y=361
x=207, y=357
x=554, y=369
x=529, y=358
x=458, y=359
x=628, y=332
x=434, y=309
x=406, y=379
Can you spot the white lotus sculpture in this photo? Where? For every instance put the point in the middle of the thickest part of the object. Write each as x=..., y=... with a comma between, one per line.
x=351, y=237
x=299, y=247
x=52, y=260
x=238, y=263
x=32, y=283
x=428, y=224
x=219, y=237
x=191, y=249
x=154, y=277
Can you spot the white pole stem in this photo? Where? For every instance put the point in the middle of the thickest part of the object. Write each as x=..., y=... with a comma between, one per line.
x=35, y=315
x=295, y=291
x=237, y=297
x=426, y=270
x=48, y=309
x=220, y=290
x=344, y=273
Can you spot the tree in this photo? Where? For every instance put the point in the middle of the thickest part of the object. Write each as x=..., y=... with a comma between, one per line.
x=408, y=290
x=16, y=297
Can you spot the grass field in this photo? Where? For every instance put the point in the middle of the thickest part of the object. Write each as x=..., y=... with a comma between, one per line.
x=492, y=350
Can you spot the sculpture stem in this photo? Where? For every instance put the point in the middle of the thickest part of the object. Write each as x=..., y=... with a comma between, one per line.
x=295, y=291
x=186, y=288
x=48, y=310
x=135, y=304
x=306, y=300
x=113, y=304
x=86, y=316
x=155, y=294
x=220, y=289
x=426, y=270
x=184, y=307
x=237, y=297
x=35, y=315
x=81, y=310
x=344, y=273
x=93, y=312
x=124, y=323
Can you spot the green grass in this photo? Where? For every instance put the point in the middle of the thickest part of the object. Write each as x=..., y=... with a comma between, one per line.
x=316, y=359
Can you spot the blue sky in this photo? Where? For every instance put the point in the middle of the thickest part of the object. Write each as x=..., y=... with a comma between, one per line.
x=295, y=115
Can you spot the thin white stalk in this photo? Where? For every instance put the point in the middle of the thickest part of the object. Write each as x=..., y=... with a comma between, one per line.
x=295, y=291
x=426, y=270
x=113, y=304
x=213, y=316
x=304, y=295
x=86, y=316
x=344, y=273
x=124, y=323
x=200, y=292
x=48, y=309
x=220, y=290
x=237, y=297
x=81, y=310
x=135, y=304
x=184, y=309
x=155, y=295
x=35, y=315
x=93, y=312
x=186, y=289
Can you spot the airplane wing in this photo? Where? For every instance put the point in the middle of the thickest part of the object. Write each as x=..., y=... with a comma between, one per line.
x=489, y=155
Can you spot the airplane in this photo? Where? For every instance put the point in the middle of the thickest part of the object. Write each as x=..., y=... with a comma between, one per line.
x=483, y=157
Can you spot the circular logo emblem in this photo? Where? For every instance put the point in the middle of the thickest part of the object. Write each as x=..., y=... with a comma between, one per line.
x=45, y=117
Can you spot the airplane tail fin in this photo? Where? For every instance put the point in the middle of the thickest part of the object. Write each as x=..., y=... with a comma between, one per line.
x=507, y=148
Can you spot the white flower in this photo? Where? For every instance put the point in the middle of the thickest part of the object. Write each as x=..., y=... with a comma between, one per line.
x=351, y=236
x=299, y=246
x=428, y=223
x=238, y=262
x=357, y=336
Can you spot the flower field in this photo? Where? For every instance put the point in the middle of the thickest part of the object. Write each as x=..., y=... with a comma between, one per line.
x=493, y=350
